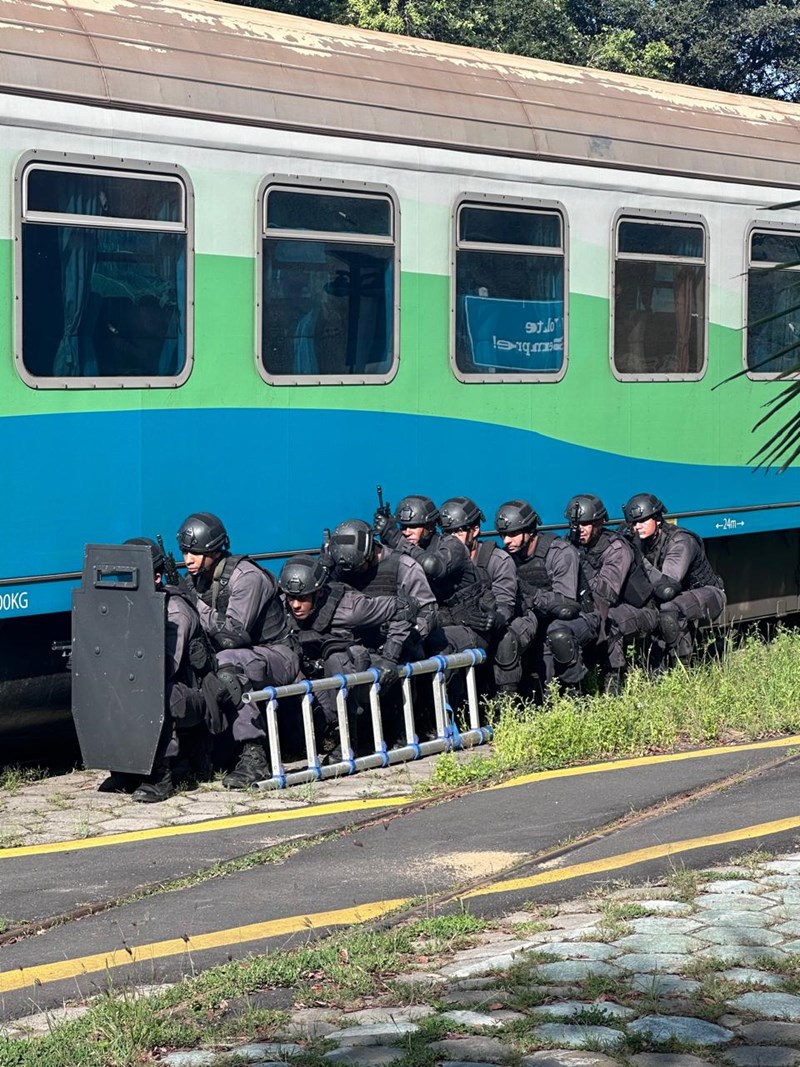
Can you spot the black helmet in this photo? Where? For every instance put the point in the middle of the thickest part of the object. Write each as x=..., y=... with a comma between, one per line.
x=586, y=508
x=459, y=513
x=515, y=516
x=352, y=544
x=643, y=506
x=158, y=557
x=416, y=511
x=202, y=532
x=302, y=576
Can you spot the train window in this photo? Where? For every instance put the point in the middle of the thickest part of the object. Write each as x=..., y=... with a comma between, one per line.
x=104, y=277
x=773, y=304
x=510, y=293
x=659, y=318
x=329, y=278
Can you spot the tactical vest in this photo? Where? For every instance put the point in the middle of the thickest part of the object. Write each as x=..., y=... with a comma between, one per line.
x=637, y=589
x=481, y=562
x=269, y=627
x=700, y=572
x=458, y=595
x=379, y=580
x=532, y=572
x=312, y=636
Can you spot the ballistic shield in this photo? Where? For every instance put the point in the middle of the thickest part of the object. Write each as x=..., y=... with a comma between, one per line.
x=118, y=659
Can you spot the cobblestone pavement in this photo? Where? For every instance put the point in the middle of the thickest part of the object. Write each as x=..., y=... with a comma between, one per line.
x=635, y=977
x=69, y=807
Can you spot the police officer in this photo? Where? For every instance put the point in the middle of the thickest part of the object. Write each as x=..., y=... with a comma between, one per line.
x=461, y=517
x=465, y=619
x=364, y=564
x=547, y=569
x=616, y=598
x=185, y=707
x=686, y=587
x=243, y=616
x=326, y=624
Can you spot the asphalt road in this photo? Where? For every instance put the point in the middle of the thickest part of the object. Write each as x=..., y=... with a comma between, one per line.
x=545, y=837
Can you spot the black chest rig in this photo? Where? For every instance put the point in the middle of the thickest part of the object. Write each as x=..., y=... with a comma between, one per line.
x=379, y=580
x=312, y=637
x=637, y=589
x=532, y=572
x=699, y=573
x=270, y=626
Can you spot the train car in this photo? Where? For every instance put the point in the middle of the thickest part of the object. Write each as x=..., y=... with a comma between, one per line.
x=256, y=265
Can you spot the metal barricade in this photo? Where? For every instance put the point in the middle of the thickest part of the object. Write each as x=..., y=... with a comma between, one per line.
x=448, y=736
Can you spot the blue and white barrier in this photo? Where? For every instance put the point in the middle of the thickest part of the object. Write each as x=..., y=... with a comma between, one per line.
x=448, y=736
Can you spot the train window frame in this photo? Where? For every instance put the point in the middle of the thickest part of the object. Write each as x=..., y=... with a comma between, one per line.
x=514, y=203
x=66, y=162
x=334, y=186
x=753, y=228
x=657, y=217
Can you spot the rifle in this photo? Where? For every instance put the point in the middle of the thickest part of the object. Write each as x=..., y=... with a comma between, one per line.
x=170, y=566
x=383, y=509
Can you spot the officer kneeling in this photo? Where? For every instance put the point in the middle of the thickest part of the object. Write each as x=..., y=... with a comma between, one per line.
x=326, y=623
x=686, y=587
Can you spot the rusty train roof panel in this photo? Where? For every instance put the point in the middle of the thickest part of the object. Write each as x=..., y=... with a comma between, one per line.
x=212, y=60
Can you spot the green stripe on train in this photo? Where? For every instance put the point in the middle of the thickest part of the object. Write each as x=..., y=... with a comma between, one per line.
x=683, y=422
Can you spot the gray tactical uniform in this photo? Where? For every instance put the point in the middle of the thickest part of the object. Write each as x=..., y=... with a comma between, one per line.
x=251, y=609
x=677, y=554
x=608, y=619
x=499, y=574
x=548, y=580
x=185, y=704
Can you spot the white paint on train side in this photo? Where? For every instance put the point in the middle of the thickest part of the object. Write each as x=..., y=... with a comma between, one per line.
x=16, y=601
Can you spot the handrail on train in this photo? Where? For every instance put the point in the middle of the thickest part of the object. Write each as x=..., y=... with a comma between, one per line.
x=448, y=736
x=75, y=576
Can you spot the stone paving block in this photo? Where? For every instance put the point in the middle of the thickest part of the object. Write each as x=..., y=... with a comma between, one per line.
x=420, y=978
x=472, y=1049
x=681, y=1028
x=653, y=962
x=474, y=983
x=478, y=967
x=385, y=1015
x=197, y=1058
x=579, y=920
x=661, y=925
x=365, y=1055
x=375, y=1034
x=750, y=976
x=477, y=1019
x=579, y=1036
x=770, y=1033
x=758, y=936
x=762, y=1056
x=732, y=887
x=576, y=970
x=791, y=947
x=476, y=997
x=579, y=950
x=658, y=944
x=664, y=985
x=667, y=1059
x=785, y=866
x=769, y=1005
x=743, y=902
x=568, y=1008
x=661, y=905
x=565, y=1057
x=732, y=917
x=788, y=929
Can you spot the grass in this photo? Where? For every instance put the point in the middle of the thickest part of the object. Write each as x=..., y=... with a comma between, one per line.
x=13, y=778
x=747, y=694
x=123, y=1029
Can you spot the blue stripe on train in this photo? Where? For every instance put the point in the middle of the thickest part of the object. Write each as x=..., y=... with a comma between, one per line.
x=278, y=477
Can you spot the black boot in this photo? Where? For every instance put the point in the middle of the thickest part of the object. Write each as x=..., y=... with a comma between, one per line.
x=156, y=786
x=251, y=768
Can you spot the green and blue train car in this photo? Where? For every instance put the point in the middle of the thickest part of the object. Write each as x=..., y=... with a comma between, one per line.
x=257, y=265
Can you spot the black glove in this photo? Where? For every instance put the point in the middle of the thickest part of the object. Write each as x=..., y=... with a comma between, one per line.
x=385, y=527
x=482, y=620
x=390, y=671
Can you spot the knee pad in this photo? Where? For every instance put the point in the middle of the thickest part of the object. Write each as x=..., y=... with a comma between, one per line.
x=669, y=627
x=563, y=646
x=507, y=653
x=231, y=688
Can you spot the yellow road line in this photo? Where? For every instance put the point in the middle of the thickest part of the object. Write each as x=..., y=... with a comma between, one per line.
x=179, y=946
x=237, y=821
x=42, y=974
x=208, y=826
x=639, y=855
x=646, y=761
